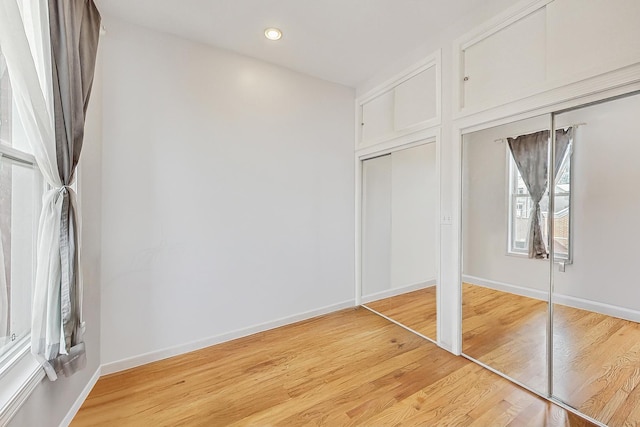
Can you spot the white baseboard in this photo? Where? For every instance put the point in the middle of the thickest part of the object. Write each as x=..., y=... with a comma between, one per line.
x=80, y=400
x=598, y=307
x=506, y=287
x=569, y=301
x=154, y=356
x=398, y=291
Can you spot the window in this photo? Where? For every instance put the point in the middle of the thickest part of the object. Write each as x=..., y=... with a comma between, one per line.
x=521, y=206
x=20, y=191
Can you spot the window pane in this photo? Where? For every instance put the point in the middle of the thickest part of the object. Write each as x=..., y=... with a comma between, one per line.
x=521, y=222
x=17, y=255
x=521, y=188
x=561, y=226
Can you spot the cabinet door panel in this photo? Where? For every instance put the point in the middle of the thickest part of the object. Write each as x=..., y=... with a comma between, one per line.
x=590, y=37
x=415, y=99
x=507, y=64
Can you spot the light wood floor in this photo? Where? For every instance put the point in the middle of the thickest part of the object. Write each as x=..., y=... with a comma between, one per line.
x=416, y=310
x=596, y=357
x=507, y=332
x=347, y=368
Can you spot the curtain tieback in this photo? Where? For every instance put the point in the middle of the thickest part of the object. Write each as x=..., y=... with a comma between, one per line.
x=64, y=189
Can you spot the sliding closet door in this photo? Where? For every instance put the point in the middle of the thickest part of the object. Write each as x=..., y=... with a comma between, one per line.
x=400, y=199
x=596, y=310
x=376, y=225
x=505, y=283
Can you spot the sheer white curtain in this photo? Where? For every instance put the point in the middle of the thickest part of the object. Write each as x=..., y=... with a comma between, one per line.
x=24, y=39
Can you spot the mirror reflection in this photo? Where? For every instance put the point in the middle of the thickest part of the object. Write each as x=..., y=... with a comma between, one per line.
x=596, y=334
x=505, y=268
x=399, y=225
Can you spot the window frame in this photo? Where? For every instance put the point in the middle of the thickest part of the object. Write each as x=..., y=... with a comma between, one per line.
x=511, y=201
x=20, y=373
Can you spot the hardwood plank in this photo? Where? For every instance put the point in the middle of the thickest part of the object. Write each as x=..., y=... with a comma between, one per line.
x=596, y=357
x=346, y=368
x=416, y=310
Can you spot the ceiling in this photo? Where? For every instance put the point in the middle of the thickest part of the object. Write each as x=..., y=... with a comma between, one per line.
x=343, y=41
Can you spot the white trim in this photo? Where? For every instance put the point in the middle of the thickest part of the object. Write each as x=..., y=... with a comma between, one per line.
x=14, y=355
x=404, y=75
x=398, y=143
x=23, y=377
x=562, y=299
x=358, y=232
x=398, y=291
x=438, y=233
x=432, y=61
x=456, y=239
x=154, y=356
x=597, y=307
x=422, y=138
x=66, y=421
x=500, y=22
x=17, y=155
x=513, y=112
x=506, y=287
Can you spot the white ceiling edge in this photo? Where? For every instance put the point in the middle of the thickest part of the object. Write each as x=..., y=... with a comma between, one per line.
x=348, y=42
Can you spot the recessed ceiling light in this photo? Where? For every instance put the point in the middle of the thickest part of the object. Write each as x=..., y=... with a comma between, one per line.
x=273, y=33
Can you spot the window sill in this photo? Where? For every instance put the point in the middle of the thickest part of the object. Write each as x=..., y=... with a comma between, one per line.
x=565, y=261
x=517, y=254
x=20, y=378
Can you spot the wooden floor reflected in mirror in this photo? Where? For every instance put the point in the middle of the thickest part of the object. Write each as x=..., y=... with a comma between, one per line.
x=415, y=310
x=507, y=332
x=597, y=365
x=596, y=357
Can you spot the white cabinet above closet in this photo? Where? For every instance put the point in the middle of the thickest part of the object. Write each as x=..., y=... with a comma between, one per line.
x=586, y=38
x=509, y=61
x=408, y=103
x=543, y=45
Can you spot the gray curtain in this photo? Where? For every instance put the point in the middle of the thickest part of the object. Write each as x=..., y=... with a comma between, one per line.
x=563, y=141
x=74, y=30
x=530, y=153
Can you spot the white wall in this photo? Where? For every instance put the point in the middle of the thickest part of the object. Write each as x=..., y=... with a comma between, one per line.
x=227, y=195
x=414, y=216
x=605, y=228
x=51, y=402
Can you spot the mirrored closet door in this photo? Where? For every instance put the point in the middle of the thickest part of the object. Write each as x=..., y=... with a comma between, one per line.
x=596, y=287
x=505, y=271
x=399, y=225
x=550, y=294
